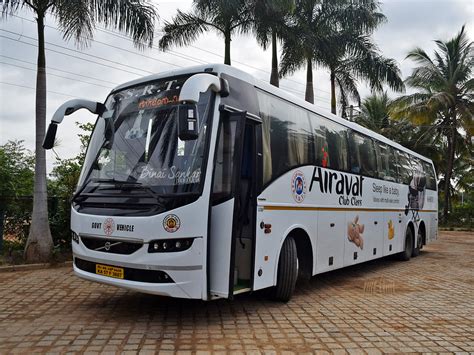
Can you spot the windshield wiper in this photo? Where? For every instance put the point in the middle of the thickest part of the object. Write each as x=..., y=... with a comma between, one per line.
x=117, y=184
x=97, y=180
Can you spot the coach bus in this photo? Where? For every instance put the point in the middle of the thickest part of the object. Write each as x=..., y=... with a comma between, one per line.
x=206, y=183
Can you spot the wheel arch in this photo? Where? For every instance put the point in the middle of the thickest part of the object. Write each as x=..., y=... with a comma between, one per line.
x=411, y=226
x=422, y=229
x=304, y=249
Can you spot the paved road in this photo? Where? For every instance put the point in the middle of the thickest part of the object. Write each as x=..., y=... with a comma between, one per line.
x=424, y=305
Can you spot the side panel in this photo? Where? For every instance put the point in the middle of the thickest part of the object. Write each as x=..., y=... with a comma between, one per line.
x=219, y=257
x=392, y=231
x=330, y=242
x=356, y=237
x=265, y=243
x=268, y=245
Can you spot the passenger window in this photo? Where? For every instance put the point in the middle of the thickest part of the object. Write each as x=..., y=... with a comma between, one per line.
x=354, y=154
x=363, y=149
x=404, y=167
x=287, y=137
x=330, y=144
x=387, y=169
x=299, y=135
x=430, y=176
x=336, y=137
x=321, y=155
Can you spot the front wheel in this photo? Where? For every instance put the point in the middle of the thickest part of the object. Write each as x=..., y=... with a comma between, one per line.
x=405, y=255
x=287, y=271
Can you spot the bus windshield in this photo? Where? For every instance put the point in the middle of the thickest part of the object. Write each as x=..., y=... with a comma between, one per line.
x=135, y=142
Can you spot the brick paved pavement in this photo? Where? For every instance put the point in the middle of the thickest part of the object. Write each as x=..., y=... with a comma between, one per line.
x=424, y=305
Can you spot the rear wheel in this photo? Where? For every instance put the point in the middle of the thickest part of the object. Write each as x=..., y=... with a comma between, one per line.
x=405, y=255
x=419, y=244
x=287, y=271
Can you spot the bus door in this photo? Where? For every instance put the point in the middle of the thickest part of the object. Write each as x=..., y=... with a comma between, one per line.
x=233, y=206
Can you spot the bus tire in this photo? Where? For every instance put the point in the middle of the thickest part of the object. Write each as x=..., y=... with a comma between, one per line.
x=419, y=244
x=405, y=255
x=287, y=271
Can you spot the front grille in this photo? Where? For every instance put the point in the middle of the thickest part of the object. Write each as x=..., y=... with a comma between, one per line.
x=140, y=275
x=114, y=246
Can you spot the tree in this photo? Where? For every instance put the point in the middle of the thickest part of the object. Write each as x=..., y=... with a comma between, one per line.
x=77, y=19
x=350, y=54
x=374, y=112
x=269, y=26
x=354, y=57
x=225, y=17
x=320, y=33
x=16, y=181
x=309, y=25
x=445, y=97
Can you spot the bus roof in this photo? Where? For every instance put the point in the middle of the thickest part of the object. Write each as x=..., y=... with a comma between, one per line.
x=242, y=75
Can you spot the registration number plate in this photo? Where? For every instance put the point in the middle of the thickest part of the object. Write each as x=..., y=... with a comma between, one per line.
x=109, y=271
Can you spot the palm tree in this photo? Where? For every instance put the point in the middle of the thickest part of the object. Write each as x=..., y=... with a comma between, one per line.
x=269, y=26
x=77, y=19
x=445, y=97
x=374, y=113
x=307, y=27
x=225, y=17
x=319, y=33
x=358, y=59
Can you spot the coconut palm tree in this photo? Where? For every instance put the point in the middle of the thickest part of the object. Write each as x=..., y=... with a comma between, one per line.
x=374, y=112
x=375, y=115
x=445, y=96
x=354, y=57
x=77, y=19
x=225, y=17
x=269, y=27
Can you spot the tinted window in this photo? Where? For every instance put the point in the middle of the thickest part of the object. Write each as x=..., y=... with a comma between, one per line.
x=223, y=171
x=387, y=168
x=404, y=167
x=354, y=155
x=416, y=166
x=362, y=155
x=287, y=139
x=430, y=176
x=330, y=143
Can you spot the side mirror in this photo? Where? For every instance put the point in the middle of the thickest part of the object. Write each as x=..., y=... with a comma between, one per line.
x=66, y=109
x=188, y=122
x=48, y=142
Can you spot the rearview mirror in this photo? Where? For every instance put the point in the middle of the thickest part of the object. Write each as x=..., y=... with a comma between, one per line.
x=188, y=123
x=48, y=142
x=66, y=109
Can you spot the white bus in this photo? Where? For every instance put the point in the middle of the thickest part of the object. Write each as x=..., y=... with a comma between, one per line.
x=205, y=183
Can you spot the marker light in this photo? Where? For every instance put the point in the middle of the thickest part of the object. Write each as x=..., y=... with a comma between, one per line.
x=75, y=237
x=170, y=245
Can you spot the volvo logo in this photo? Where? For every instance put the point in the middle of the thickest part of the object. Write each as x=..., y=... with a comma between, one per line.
x=107, y=246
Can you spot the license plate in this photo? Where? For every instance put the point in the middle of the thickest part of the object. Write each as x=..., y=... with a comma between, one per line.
x=109, y=271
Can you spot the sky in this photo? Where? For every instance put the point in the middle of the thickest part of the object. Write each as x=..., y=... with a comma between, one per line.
x=111, y=59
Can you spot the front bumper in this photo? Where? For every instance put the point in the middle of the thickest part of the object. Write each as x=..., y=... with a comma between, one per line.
x=184, y=269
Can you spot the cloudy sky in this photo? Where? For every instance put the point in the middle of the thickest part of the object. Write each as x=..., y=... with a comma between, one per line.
x=111, y=59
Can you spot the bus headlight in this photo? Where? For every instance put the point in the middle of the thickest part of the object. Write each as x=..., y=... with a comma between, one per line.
x=169, y=245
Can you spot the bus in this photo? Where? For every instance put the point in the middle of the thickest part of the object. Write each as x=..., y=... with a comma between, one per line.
x=206, y=183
